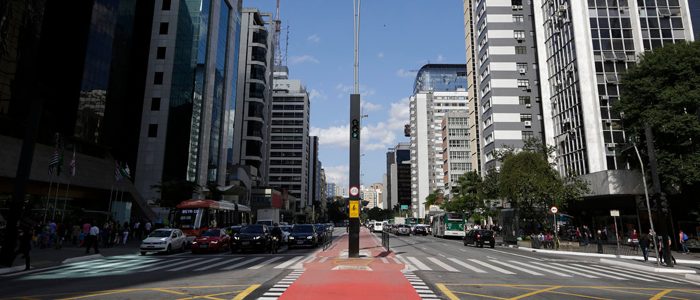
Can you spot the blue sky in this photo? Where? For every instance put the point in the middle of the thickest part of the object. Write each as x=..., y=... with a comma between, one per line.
x=397, y=37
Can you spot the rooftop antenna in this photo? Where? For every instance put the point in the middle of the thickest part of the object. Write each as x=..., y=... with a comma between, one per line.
x=356, y=9
x=286, y=46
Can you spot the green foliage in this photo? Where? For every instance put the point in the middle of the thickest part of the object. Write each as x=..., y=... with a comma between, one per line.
x=435, y=198
x=472, y=194
x=337, y=210
x=377, y=213
x=175, y=191
x=663, y=91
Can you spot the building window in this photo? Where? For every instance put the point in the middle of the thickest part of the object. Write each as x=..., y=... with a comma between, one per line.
x=520, y=50
x=155, y=104
x=166, y=5
x=152, y=130
x=524, y=100
x=519, y=34
x=525, y=117
x=163, y=28
x=160, y=53
x=528, y=135
x=518, y=18
x=158, y=78
x=523, y=83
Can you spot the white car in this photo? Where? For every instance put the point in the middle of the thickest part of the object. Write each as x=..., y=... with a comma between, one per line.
x=378, y=227
x=164, y=240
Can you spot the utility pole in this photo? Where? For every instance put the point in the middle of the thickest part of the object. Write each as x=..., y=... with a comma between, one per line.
x=661, y=204
x=355, y=130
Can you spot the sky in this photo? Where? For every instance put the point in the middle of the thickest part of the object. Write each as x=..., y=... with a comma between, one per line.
x=397, y=37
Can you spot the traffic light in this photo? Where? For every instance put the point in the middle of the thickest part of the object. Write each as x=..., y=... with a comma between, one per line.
x=355, y=129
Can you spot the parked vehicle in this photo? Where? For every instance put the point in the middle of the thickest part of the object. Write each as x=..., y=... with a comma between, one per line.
x=212, y=240
x=255, y=237
x=164, y=240
x=303, y=235
x=378, y=227
x=479, y=237
x=402, y=229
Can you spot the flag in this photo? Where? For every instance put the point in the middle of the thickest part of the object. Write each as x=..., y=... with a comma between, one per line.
x=127, y=171
x=124, y=172
x=53, y=161
x=56, y=159
x=72, y=164
x=117, y=171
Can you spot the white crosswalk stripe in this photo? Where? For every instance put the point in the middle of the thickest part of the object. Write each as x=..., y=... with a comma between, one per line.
x=225, y=262
x=575, y=272
x=597, y=274
x=611, y=273
x=248, y=261
x=492, y=267
x=466, y=265
x=640, y=274
x=288, y=263
x=517, y=268
x=418, y=264
x=165, y=263
x=262, y=264
x=541, y=269
x=442, y=264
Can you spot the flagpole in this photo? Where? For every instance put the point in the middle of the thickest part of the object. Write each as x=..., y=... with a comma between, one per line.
x=55, y=201
x=65, y=199
x=48, y=197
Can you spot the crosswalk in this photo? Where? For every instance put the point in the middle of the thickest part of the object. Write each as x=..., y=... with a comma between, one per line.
x=129, y=264
x=534, y=268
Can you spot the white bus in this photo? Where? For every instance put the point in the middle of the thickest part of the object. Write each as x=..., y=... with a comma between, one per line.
x=448, y=224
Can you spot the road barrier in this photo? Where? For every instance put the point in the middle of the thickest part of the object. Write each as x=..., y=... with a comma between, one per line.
x=385, y=240
x=328, y=241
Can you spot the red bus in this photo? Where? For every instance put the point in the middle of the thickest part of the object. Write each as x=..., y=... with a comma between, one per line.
x=197, y=215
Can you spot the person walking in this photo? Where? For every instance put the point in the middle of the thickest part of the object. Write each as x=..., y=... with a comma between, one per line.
x=148, y=228
x=682, y=239
x=599, y=240
x=634, y=239
x=136, y=233
x=644, y=245
x=125, y=233
x=25, y=245
x=92, y=239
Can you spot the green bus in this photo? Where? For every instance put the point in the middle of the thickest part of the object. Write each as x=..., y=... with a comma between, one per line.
x=448, y=224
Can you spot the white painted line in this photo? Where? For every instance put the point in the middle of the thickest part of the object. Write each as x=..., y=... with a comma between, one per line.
x=218, y=264
x=541, y=269
x=419, y=264
x=267, y=298
x=323, y=259
x=563, y=268
x=420, y=287
x=468, y=266
x=639, y=274
x=463, y=250
x=568, y=268
x=384, y=260
x=288, y=263
x=443, y=255
x=163, y=264
x=492, y=267
x=442, y=264
x=277, y=290
x=525, y=256
x=231, y=267
x=408, y=267
x=194, y=264
x=517, y=268
x=281, y=285
x=272, y=294
x=300, y=265
x=262, y=264
x=395, y=260
x=603, y=271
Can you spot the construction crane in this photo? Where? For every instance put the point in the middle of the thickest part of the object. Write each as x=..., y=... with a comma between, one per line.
x=276, y=37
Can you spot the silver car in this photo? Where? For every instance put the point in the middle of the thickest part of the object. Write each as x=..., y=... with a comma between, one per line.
x=164, y=240
x=403, y=229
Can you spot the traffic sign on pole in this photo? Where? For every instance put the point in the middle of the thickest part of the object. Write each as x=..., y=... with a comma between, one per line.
x=354, y=209
x=554, y=209
x=354, y=191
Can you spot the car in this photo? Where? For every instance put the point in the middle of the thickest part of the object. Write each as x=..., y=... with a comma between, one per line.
x=164, y=240
x=322, y=232
x=330, y=227
x=378, y=227
x=212, y=240
x=479, y=237
x=402, y=229
x=286, y=231
x=420, y=229
x=303, y=235
x=253, y=237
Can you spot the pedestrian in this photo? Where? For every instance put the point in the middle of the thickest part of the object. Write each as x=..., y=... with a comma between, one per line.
x=92, y=239
x=634, y=239
x=662, y=251
x=586, y=235
x=125, y=233
x=25, y=245
x=137, y=227
x=148, y=227
x=644, y=245
x=75, y=234
x=599, y=240
x=682, y=239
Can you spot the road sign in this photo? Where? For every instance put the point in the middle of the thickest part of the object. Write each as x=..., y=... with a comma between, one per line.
x=354, y=209
x=354, y=191
x=614, y=213
x=554, y=209
x=404, y=207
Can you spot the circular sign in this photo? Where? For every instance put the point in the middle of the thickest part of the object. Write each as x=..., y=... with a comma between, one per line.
x=554, y=209
x=354, y=191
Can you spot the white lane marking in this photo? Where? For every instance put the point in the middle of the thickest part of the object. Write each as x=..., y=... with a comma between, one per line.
x=218, y=264
x=323, y=259
x=655, y=276
x=267, y=298
x=442, y=264
x=601, y=270
x=443, y=255
x=384, y=260
x=466, y=265
x=465, y=251
x=277, y=289
x=517, y=268
x=588, y=271
x=407, y=266
x=525, y=256
x=563, y=268
x=288, y=263
x=300, y=265
x=541, y=269
x=395, y=260
x=497, y=269
x=273, y=294
x=194, y=264
x=245, y=262
x=162, y=265
x=418, y=264
x=265, y=263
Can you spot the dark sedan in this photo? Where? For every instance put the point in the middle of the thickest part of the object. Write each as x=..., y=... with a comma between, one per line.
x=303, y=235
x=479, y=237
x=254, y=237
x=420, y=229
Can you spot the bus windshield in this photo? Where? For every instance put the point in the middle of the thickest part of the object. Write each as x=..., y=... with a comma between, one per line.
x=186, y=218
x=454, y=217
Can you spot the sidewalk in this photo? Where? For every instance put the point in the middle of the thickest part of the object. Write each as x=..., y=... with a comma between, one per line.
x=335, y=276
x=49, y=257
x=690, y=260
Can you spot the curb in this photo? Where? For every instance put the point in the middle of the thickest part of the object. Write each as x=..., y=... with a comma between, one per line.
x=647, y=268
x=587, y=254
x=81, y=258
x=692, y=277
x=11, y=270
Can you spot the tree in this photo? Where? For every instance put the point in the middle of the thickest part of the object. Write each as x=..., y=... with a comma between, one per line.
x=663, y=91
x=175, y=191
x=435, y=198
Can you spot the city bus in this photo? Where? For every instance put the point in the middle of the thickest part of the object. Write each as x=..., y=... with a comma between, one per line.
x=448, y=224
x=197, y=215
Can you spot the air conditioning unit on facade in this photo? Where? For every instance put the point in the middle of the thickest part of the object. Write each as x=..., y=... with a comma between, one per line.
x=528, y=123
x=610, y=145
x=528, y=105
x=522, y=70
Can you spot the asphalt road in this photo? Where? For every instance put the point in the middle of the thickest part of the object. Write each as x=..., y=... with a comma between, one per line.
x=175, y=276
x=455, y=271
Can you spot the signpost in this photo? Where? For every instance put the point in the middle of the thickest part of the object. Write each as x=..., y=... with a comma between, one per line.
x=616, y=213
x=554, y=211
x=354, y=212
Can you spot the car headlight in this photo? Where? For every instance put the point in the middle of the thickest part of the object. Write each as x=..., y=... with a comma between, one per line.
x=194, y=242
x=256, y=238
x=309, y=237
x=291, y=237
x=214, y=242
x=236, y=238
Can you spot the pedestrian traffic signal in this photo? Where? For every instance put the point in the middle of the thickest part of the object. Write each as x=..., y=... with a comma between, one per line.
x=355, y=129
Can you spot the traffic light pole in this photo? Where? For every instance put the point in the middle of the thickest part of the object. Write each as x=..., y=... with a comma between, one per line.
x=354, y=209
x=661, y=204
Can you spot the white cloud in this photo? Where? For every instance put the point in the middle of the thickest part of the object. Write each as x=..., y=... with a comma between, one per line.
x=380, y=55
x=315, y=95
x=314, y=38
x=440, y=58
x=369, y=106
x=337, y=174
x=302, y=59
x=374, y=136
x=399, y=114
x=405, y=73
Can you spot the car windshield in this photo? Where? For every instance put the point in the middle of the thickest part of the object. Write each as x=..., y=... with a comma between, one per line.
x=160, y=233
x=212, y=232
x=286, y=228
x=302, y=229
x=252, y=229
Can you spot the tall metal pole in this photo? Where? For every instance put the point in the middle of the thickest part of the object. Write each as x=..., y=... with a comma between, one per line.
x=646, y=195
x=355, y=130
x=661, y=199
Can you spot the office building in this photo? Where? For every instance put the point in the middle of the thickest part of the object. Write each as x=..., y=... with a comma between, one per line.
x=289, y=145
x=455, y=148
x=330, y=190
x=190, y=91
x=438, y=89
x=399, y=178
x=314, y=172
x=472, y=87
